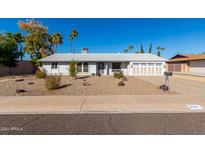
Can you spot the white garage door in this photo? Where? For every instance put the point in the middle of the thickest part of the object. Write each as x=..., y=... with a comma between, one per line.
x=147, y=69
x=197, y=66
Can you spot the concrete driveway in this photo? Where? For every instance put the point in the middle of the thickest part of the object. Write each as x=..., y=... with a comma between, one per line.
x=181, y=85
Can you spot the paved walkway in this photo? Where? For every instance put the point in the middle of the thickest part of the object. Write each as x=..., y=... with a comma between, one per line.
x=99, y=104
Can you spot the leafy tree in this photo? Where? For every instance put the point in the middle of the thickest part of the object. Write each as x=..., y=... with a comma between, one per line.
x=142, y=50
x=72, y=69
x=36, y=39
x=150, y=48
x=159, y=49
x=72, y=37
x=56, y=39
x=8, y=51
x=19, y=38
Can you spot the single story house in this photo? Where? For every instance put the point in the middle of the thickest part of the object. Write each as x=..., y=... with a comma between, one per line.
x=193, y=63
x=105, y=63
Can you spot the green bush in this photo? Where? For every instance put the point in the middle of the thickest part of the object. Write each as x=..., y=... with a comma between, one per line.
x=118, y=75
x=52, y=82
x=40, y=74
x=72, y=69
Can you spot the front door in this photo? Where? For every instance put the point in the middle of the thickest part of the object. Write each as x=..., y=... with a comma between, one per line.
x=100, y=67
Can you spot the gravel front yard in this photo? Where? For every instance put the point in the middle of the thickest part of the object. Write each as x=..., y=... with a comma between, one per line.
x=104, y=85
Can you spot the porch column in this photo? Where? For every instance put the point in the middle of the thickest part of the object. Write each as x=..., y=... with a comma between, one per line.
x=106, y=68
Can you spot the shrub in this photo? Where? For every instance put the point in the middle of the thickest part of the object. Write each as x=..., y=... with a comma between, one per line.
x=72, y=69
x=40, y=74
x=52, y=82
x=121, y=83
x=118, y=75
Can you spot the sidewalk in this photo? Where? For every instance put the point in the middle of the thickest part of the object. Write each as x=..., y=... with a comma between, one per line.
x=100, y=104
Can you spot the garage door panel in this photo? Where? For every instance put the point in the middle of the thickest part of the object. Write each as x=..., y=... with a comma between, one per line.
x=197, y=66
x=174, y=67
x=144, y=69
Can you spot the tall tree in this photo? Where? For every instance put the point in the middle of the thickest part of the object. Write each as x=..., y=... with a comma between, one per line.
x=141, y=50
x=150, y=48
x=130, y=47
x=8, y=51
x=159, y=49
x=56, y=39
x=72, y=37
x=19, y=38
x=126, y=50
x=36, y=39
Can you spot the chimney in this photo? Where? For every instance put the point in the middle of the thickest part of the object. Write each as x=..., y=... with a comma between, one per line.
x=85, y=50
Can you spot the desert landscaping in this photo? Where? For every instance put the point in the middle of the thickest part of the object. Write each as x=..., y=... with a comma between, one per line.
x=84, y=85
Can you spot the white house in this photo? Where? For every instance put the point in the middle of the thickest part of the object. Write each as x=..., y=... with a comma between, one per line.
x=130, y=64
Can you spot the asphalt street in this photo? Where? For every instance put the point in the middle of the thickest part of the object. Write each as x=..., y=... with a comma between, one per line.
x=111, y=124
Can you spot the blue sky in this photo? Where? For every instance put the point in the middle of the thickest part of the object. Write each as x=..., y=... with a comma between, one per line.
x=114, y=35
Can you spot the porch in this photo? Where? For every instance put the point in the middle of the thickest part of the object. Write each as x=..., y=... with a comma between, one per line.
x=109, y=68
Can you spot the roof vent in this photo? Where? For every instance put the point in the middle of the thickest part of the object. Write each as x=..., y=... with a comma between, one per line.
x=85, y=50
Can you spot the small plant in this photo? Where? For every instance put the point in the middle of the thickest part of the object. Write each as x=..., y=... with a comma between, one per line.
x=52, y=82
x=72, y=69
x=40, y=74
x=118, y=75
x=121, y=83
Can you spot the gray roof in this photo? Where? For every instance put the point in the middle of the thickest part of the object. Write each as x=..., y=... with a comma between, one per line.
x=104, y=57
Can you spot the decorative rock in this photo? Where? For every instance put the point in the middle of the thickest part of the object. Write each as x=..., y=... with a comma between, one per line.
x=164, y=87
x=86, y=84
x=121, y=83
x=19, y=80
x=20, y=91
x=30, y=83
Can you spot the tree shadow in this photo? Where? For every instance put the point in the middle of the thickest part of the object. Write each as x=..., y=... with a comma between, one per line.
x=64, y=86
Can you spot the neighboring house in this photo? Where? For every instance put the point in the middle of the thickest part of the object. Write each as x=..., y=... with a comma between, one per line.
x=193, y=63
x=105, y=63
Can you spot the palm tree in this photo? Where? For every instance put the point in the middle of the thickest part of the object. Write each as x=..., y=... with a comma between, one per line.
x=72, y=36
x=142, y=50
x=56, y=39
x=126, y=50
x=130, y=47
x=150, y=48
x=159, y=49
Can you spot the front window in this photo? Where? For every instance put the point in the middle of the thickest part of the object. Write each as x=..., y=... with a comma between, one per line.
x=85, y=67
x=82, y=67
x=54, y=65
x=79, y=67
x=116, y=66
